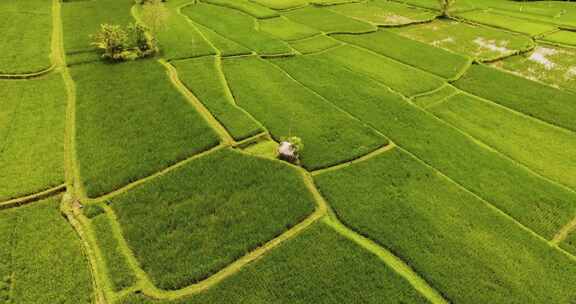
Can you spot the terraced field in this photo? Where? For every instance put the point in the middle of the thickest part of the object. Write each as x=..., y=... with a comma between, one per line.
x=439, y=160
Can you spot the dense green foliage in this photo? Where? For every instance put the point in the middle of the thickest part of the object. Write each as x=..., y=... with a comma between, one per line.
x=193, y=221
x=131, y=122
x=537, y=203
x=447, y=234
x=41, y=259
x=417, y=54
x=515, y=135
x=287, y=108
x=25, y=45
x=203, y=77
x=302, y=270
x=529, y=97
x=32, y=115
x=236, y=26
x=119, y=271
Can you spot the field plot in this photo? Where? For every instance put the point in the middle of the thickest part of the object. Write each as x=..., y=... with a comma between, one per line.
x=286, y=107
x=529, y=97
x=41, y=260
x=561, y=37
x=314, y=44
x=249, y=7
x=434, y=97
x=223, y=45
x=403, y=78
x=203, y=78
x=328, y=21
x=384, y=13
x=132, y=123
x=26, y=35
x=281, y=4
x=190, y=223
x=479, y=42
x=32, y=115
x=302, y=269
x=417, y=54
x=286, y=29
x=555, y=66
x=544, y=148
x=236, y=26
x=509, y=23
x=447, y=234
x=80, y=19
x=539, y=204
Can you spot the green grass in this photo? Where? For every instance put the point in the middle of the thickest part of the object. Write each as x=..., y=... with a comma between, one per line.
x=41, y=258
x=281, y=4
x=509, y=23
x=119, y=272
x=178, y=38
x=32, y=115
x=529, y=97
x=195, y=220
x=131, y=122
x=570, y=243
x=314, y=44
x=384, y=13
x=223, y=45
x=303, y=270
x=403, y=78
x=537, y=203
x=417, y=54
x=236, y=26
x=555, y=66
x=328, y=21
x=287, y=108
x=458, y=244
x=203, y=78
x=26, y=37
x=246, y=6
x=475, y=41
x=285, y=29
x=545, y=149
x=561, y=37
x=425, y=101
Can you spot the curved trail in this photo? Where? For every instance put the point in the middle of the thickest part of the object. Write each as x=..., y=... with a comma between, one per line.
x=28, y=75
x=19, y=201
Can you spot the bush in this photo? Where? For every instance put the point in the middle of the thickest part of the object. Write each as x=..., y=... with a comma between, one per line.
x=119, y=44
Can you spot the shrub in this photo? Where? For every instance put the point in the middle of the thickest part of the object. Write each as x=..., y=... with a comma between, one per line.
x=120, y=44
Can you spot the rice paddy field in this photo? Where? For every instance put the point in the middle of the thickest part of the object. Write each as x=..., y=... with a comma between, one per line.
x=438, y=165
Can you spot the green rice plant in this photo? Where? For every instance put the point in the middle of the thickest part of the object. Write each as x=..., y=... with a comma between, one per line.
x=285, y=29
x=281, y=4
x=178, y=39
x=475, y=41
x=403, y=78
x=32, y=116
x=286, y=108
x=384, y=13
x=132, y=122
x=204, y=79
x=328, y=21
x=314, y=44
x=80, y=19
x=331, y=2
x=427, y=100
x=302, y=270
x=246, y=6
x=236, y=26
x=546, y=149
x=191, y=222
x=26, y=37
x=561, y=37
x=570, y=243
x=41, y=257
x=467, y=250
x=553, y=65
x=505, y=22
x=529, y=97
x=417, y=54
x=223, y=45
x=537, y=203
x=119, y=272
